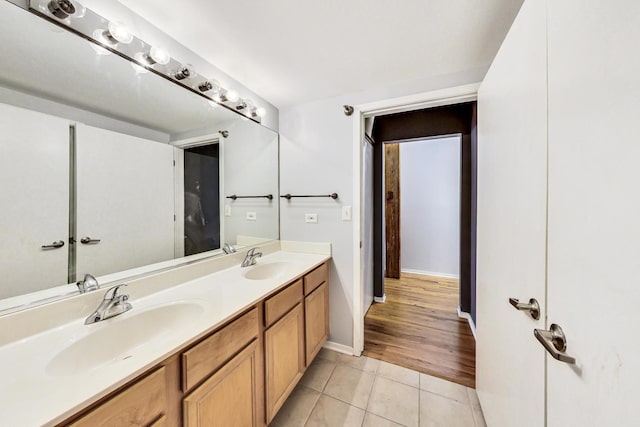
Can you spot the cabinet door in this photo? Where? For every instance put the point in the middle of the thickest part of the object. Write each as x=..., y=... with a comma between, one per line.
x=316, y=320
x=229, y=398
x=512, y=144
x=594, y=210
x=284, y=358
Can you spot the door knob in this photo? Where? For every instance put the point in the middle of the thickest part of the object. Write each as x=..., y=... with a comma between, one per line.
x=89, y=241
x=555, y=342
x=532, y=307
x=55, y=245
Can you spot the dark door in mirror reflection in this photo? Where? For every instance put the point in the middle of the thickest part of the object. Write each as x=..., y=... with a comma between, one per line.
x=201, y=199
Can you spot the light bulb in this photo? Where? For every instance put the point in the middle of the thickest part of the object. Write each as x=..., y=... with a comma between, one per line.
x=261, y=112
x=159, y=56
x=232, y=95
x=120, y=32
x=62, y=9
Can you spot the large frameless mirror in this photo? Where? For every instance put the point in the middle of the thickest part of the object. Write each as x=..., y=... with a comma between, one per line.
x=109, y=169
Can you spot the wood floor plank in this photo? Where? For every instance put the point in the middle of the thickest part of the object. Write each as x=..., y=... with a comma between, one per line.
x=418, y=327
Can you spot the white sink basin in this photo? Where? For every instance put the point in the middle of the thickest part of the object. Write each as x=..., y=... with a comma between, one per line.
x=114, y=339
x=265, y=271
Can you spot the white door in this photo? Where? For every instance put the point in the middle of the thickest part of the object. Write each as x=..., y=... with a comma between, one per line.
x=511, y=244
x=125, y=199
x=594, y=211
x=34, y=200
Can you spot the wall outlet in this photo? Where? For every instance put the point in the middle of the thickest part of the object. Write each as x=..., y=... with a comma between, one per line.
x=227, y=210
x=346, y=213
x=251, y=216
x=311, y=218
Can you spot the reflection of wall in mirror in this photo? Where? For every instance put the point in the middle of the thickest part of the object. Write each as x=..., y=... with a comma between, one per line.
x=251, y=169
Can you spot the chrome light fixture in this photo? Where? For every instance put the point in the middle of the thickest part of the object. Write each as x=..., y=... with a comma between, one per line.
x=184, y=72
x=62, y=9
x=107, y=38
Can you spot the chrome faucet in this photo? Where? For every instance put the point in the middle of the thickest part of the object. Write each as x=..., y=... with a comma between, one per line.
x=228, y=249
x=89, y=283
x=112, y=305
x=251, y=257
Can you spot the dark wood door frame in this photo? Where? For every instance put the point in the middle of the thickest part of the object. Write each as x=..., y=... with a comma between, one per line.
x=446, y=120
x=392, y=209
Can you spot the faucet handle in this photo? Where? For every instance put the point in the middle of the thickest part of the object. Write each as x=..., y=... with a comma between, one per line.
x=112, y=293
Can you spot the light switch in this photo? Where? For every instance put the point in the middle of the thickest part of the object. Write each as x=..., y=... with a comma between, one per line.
x=251, y=216
x=227, y=210
x=346, y=213
x=311, y=218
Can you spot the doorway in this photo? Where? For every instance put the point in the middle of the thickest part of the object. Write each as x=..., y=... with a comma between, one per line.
x=416, y=321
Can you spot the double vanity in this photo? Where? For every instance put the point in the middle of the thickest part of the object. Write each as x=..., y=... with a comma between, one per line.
x=206, y=343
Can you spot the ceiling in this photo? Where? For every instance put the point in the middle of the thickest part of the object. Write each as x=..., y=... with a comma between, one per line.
x=295, y=51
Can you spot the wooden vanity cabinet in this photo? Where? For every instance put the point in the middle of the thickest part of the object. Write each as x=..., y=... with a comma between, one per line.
x=239, y=375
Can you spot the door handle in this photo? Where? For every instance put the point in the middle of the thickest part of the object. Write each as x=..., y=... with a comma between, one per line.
x=555, y=342
x=89, y=241
x=55, y=245
x=532, y=307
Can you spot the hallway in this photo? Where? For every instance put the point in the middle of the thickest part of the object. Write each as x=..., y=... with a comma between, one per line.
x=418, y=328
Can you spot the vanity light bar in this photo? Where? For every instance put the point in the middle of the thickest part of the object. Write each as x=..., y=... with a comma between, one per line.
x=114, y=37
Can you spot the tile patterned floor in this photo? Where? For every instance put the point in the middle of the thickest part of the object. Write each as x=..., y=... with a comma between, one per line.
x=344, y=391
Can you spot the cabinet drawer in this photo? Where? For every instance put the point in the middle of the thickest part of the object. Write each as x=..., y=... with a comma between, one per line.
x=279, y=304
x=316, y=278
x=139, y=404
x=210, y=354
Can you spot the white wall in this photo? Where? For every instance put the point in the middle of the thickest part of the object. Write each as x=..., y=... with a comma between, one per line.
x=317, y=155
x=430, y=206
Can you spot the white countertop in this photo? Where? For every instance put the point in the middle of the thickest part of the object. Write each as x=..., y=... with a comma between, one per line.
x=34, y=391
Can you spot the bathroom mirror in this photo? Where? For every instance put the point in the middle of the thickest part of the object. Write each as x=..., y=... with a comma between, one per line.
x=108, y=169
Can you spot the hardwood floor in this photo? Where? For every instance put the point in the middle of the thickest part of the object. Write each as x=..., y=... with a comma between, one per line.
x=418, y=327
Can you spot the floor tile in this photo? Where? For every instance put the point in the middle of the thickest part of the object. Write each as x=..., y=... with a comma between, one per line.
x=326, y=354
x=350, y=385
x=439, y=411
x=444, y=388
x=372, y=420
x=362, y=363
x=330, y=412
x=395, y=401
x=297, y=408
x=317, y=374
x=399, y=374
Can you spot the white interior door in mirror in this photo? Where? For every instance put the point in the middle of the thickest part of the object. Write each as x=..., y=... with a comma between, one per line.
x=34, y=172
x=512, y=143
x=124, y=200
x=594, y=211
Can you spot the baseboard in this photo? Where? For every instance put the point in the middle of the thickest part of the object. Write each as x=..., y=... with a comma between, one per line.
x=430, y=273
x=472, y=325
x=382, y=299
x=340, y=348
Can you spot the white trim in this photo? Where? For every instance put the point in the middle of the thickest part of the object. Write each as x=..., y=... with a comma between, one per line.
x=472, y=324
x=436, y=98
x=381, y=299
x=430, y=273
x=340, y=348
x=448, y=96
x=358, y=286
